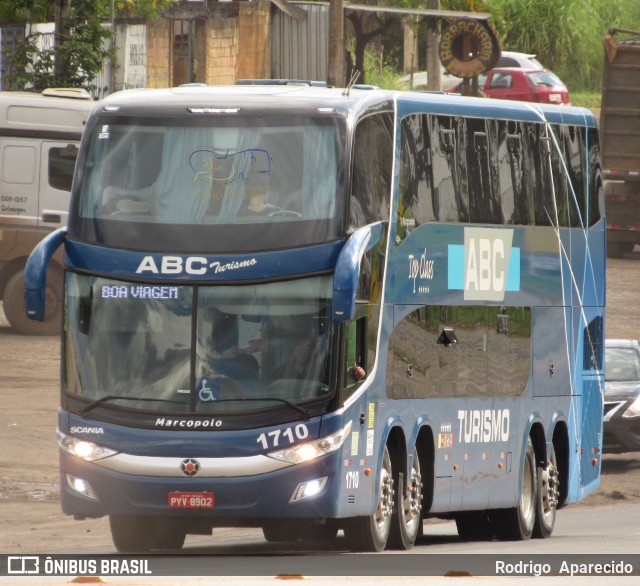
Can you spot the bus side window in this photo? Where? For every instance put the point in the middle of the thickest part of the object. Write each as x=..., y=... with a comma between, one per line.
x=450, y=194
x=594, y=195
x=371, y=172
x=515, y=194
x=593, y=345
x=484, y=195
x=537, y=153
x=355, y=355
x=574, y=155
x=567, y=211
x=416, y=204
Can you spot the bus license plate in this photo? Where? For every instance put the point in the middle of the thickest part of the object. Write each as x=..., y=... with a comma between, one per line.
x=191, y=500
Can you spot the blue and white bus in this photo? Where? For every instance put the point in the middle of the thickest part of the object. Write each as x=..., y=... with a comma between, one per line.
x=318, y=310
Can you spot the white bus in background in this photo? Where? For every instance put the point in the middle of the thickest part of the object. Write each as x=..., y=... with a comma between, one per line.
x=39, y=138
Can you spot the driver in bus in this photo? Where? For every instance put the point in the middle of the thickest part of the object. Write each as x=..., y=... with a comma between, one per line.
x=300, y=365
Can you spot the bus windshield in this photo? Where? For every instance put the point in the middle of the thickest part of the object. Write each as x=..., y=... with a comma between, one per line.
x=211, y=171
x=203, y=349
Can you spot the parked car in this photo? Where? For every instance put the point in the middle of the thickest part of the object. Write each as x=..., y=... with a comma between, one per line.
x=621, y=424
x=526, y=85
x=513, y=59
x=448, y=81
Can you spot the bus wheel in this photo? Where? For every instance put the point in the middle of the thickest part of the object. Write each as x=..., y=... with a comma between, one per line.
x=548, y=498
x=15, y=312
x=407, y=518
x=137, y=534
x=517, y=524
x=372, y=533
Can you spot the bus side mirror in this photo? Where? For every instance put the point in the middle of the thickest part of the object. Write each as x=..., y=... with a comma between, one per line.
x=347, y=273
x=35, y=273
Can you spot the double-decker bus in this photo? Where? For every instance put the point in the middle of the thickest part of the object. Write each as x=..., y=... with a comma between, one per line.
x=318, y=310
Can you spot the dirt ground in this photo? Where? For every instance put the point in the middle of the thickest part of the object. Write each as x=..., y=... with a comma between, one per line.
x=30, y=517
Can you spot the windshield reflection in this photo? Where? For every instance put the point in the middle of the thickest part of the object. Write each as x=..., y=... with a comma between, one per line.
x=176, y=173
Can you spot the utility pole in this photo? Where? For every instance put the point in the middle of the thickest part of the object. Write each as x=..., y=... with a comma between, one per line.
x=335, y=73
x=434, y=73
x=62, y=32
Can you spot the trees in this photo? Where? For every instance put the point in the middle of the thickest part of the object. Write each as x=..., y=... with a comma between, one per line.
x=81, y=41
x=79, y=49
x=566, y=35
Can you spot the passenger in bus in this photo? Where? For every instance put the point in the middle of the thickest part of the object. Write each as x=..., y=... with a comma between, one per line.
x=302, y=365
x=256, y=203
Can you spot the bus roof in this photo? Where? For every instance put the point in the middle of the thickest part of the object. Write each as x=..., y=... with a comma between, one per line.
x=301, y=98
x=43, y=115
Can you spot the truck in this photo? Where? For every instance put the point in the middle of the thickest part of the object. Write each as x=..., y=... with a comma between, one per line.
x=620, y=139
x=39, y=138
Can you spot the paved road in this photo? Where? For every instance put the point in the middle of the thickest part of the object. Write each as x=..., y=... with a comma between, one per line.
x=609, y=534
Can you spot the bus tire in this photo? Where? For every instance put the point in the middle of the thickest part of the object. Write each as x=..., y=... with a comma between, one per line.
x=407, y=512
x=140, y=534
x=548, y=498
x=372, y=533
x=15, y=312
x=517, y=524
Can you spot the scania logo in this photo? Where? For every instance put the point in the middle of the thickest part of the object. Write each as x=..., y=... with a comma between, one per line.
x=190, y=466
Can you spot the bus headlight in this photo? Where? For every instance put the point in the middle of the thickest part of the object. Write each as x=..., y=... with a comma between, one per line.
x=308, y=489
x=312, y=450
x=81, y=486
x=82, y=448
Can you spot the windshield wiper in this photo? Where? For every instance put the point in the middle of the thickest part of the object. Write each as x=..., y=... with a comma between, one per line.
x=91, y=406
x=295, y=406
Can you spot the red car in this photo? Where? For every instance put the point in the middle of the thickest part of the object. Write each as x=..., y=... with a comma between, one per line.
x=527, y=85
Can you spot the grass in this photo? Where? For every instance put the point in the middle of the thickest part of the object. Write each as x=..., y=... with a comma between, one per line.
x=589, y=100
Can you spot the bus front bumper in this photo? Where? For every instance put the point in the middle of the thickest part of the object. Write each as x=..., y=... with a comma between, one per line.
x=307, y=490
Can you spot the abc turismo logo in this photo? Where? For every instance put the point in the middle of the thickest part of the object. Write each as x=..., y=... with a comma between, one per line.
x=486, y=266
x=190, y=467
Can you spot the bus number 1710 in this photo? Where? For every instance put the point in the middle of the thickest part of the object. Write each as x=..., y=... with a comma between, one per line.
x=272, y=439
